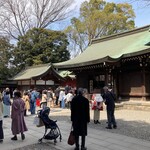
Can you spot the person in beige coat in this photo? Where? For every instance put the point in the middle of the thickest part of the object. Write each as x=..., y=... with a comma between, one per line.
x=44, y=99
x=1, y=119
x=27, y=102
x=50, y=98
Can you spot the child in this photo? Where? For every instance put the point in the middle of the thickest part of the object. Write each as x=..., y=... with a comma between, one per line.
x=1, y=119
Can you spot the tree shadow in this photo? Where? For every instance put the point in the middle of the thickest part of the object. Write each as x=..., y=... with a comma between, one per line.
x=136, y=129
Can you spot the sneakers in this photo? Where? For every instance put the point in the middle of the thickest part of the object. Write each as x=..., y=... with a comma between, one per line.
x=14, y=138
x=114, y=126
x=108, y=127
x=1, y=140
x=76, y=148
x=96, y=122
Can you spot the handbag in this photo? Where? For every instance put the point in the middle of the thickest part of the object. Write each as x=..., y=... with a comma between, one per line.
x=71, y=138
x=100, y=106
x=38, y=102
x=38, y=121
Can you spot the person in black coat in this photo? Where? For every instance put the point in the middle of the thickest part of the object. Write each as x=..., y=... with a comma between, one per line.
x=109, y=99
x=80, y=116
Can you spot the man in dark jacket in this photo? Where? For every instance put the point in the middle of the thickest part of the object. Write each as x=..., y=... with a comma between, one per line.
x=80, y=116
x=110, y=103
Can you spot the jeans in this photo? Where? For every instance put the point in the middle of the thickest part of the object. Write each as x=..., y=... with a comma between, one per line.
x=57, y=97
x=32, y=108
x=111, y=118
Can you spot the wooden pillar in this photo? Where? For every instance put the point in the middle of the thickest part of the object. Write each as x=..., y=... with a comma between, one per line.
x=106, y=77
x=30, y=83
x=143, y=84
x=45, y=84
x=115, y=84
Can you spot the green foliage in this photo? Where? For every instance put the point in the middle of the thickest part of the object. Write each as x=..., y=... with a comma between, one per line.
x=5, y=57
x=99, y=18
x=40, y=46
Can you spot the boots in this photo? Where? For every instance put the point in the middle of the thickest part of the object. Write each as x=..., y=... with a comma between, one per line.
x=22, y=136
x=98, y=122
x=14, y=138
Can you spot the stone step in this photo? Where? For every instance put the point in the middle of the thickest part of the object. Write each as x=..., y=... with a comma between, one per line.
x=134, y=105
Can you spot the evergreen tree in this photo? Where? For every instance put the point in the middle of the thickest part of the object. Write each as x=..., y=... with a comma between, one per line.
x=40, y=46
x=5, y=57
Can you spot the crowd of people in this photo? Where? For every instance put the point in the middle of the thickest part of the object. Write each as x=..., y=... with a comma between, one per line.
x=33, y=98
x=78, y=101
x=22, y=103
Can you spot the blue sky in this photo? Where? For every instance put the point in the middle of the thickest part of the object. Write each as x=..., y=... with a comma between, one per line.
x=141, y=11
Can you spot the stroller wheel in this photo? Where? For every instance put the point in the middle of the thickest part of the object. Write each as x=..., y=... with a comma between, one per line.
x=55, y=141
x=40, y=141
x=60, y=138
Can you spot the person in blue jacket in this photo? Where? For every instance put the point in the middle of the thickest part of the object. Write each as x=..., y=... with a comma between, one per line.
x=33, y=97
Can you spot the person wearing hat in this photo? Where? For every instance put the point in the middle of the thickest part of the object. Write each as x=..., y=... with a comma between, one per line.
x=109, y=99
x=80, y=117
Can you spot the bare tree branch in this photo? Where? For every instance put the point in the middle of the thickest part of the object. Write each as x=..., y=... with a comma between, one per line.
x=18, y=16
x=140, y=3
x=48, y=11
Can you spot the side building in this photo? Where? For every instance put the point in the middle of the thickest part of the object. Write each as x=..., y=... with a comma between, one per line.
x=43, y=77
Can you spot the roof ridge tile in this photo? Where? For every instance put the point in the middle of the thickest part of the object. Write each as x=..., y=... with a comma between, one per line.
x=122, y=34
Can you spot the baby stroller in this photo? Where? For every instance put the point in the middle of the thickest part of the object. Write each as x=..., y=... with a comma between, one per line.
x=54, y=131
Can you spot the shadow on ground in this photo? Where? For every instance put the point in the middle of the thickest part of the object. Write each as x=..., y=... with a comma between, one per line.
x=42, y=146
x=136, y=129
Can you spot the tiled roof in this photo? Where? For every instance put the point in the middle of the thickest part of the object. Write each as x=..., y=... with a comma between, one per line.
x=40, y=70
x=31, y=72
x=112, y=48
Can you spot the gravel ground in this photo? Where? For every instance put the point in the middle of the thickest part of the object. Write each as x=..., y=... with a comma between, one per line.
x=130, y=122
